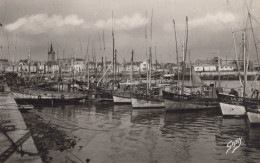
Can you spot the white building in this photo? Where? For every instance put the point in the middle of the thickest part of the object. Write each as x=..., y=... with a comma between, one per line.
x=143, y=66
x=79, y=67
x=226, y=68
x=198, y=68
x=136, y=67
x=210, y=68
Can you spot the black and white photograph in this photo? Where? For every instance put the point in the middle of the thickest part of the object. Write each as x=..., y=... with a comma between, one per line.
x=129, y=81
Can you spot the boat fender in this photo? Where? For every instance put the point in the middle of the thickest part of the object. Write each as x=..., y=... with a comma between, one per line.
x=39, y=97
x=62, y=97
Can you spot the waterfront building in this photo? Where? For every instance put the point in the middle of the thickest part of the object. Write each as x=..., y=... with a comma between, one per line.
x=213, y=61
x=4, y=63
x=136, y=66
x=144, y=66
x=78, y=65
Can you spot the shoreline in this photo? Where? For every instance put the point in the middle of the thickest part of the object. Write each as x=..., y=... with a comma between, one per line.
x=48, y=138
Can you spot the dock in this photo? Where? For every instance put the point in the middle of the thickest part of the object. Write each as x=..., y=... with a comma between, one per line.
x=16, y=143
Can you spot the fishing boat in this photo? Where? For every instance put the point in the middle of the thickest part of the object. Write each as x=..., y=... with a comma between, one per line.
x=196, y=96
x=41, y=97
x=123, y=96
x=148, y=97
x=243, y=105
x=206, y=98
x=231, y=104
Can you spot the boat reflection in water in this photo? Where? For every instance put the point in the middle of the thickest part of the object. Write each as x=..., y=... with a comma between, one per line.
x=107, y=133
x=147, y=116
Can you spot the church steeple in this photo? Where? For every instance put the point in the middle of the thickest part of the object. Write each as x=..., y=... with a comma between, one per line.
x=51, y=54
x=51, y=49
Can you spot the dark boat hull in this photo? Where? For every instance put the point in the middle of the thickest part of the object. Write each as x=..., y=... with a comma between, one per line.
x=44, y=98
x=176, y=102
x=103, y=96
x=49, y=102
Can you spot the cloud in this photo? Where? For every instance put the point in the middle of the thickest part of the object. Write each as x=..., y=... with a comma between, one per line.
x=41, y=23
x=213, y=19
x=124, y=23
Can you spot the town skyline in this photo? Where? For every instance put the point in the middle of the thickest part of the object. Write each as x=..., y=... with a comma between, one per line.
x=75, y=26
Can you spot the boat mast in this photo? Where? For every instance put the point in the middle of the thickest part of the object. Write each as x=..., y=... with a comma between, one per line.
x=151, y=61
x=190, y=70
x=150, y=54
x=113, y=35
x=115, y=62
x=14, y=51
x=218, y=69
x=88, y=73
x=245, y=48
x=155, y=64
x=131, y=75
x=29, y=63
x=87, y=62
x=184, y=57
x=150, y=67
x=245, y=62
x=252, y=29
x=101, y=53
x=146, y=55
x=95, y=62
x=176, y=48
x=104, y=48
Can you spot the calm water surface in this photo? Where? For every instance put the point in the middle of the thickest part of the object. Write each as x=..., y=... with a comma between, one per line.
x=108, y=133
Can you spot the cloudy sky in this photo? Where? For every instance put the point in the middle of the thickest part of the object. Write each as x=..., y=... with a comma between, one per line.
x=69, y=24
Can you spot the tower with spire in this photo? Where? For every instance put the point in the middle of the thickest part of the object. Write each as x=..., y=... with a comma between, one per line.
x=51, y=54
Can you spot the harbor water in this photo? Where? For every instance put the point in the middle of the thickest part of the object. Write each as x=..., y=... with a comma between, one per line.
x=108, y=133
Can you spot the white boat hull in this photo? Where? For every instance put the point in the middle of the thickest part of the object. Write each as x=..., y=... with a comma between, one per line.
x=141, y=103
x=121, y=99
x=232, y=109
x=254, y=118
